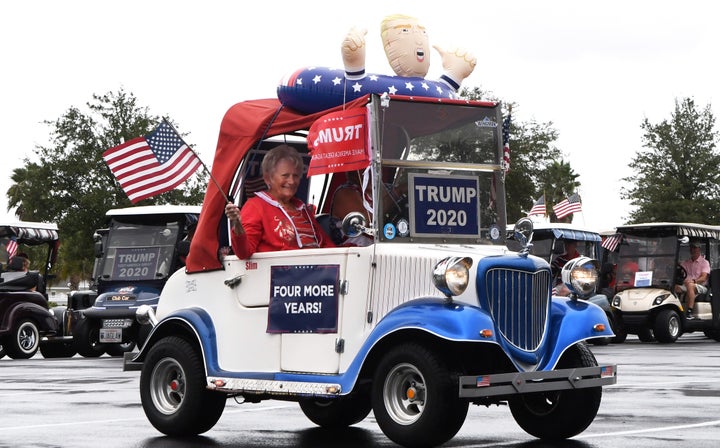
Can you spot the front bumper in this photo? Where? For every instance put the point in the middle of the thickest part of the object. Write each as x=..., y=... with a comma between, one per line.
x=109, y=313
x=506, y=384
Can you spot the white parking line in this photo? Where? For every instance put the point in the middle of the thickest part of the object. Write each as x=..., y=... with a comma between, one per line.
x=648, y=430
x=612, y=434
x=116, y=420
x=662, y=383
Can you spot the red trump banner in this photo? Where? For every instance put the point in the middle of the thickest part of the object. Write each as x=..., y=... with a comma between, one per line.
x=339, y=142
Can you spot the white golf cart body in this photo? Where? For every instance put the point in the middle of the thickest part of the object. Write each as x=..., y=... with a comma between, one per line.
x=325, y=326
x=645, y=302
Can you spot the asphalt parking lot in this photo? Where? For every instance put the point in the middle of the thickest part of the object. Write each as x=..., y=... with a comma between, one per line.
x=666, y=395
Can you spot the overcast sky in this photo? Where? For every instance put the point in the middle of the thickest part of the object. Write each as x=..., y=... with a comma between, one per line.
x=594, y=69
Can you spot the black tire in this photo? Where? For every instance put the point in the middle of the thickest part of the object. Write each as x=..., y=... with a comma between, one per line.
x=600, y=341
x=434, y=414
x=86, y=338
x=620, y=333
x=646, y=335
x=620, y=336
x=58, y=350
x=2, y=352
x=712, y=334
x=173, y=390
x=119, y=349
x=23, y=341
x=561, y=414
x=338, y=412
x=668, y=326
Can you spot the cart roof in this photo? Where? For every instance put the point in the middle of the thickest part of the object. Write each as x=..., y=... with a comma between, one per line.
x=155, y=210
x=27, y=232
x=563, y=231
x=689, y=229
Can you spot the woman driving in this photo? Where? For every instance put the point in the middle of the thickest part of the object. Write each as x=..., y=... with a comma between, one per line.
x=275, y=219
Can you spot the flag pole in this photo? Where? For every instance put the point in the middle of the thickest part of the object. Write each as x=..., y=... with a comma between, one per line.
x=227, y=199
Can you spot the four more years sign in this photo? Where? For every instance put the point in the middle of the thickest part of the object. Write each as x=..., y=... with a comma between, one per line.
x=303, y=299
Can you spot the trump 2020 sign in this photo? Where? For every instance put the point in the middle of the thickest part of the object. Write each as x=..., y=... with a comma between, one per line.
x=444, y=206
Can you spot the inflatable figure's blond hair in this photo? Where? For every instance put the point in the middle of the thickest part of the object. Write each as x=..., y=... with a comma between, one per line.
x=385, y=25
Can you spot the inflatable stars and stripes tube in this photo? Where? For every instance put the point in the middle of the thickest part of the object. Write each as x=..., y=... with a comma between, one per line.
x=313, y=89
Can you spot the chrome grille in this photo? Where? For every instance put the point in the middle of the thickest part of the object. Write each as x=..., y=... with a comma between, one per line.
x=117, y=323
x=400, y=278
x=519, y=303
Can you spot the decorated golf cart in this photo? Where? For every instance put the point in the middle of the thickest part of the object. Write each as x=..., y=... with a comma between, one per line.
x=433, y=315
x=134, y=257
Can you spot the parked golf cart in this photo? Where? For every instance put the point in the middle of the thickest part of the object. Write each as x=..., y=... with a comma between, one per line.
x=648, y=268
x=25, y=317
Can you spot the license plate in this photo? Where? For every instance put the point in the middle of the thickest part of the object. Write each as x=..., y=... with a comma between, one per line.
x=110, y=335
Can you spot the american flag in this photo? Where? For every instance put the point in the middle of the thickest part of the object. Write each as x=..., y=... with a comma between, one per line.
x=568, y=206
x=153, y=164
x=506, y=143
x=11, y=247
x=539, y=207
x=482, y=381
x=611, y=242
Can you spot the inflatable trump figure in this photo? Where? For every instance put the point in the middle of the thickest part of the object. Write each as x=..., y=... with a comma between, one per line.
x=407, y=48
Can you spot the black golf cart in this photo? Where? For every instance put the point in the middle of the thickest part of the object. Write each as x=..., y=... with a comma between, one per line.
x=25, y=317
x=141, y=248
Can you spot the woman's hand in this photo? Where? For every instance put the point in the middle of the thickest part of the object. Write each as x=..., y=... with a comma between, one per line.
x=232, y=212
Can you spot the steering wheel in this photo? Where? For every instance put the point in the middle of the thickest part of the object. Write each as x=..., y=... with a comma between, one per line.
x=396, y=205
x=680, y=274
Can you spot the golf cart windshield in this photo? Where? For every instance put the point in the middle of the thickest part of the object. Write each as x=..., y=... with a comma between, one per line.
x=139, y=252
x=646, y=260
x=437, y=173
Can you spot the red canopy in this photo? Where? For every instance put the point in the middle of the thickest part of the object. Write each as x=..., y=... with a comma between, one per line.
x=242, y=126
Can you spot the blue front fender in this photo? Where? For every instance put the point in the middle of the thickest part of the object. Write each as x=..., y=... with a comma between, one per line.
x=572, y=321
x=447, y=320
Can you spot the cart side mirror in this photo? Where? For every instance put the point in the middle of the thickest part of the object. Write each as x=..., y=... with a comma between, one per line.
x=354, y=224
x=98, y=249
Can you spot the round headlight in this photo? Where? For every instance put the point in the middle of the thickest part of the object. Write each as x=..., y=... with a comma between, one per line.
x=580, y=275
x=660, y=299
x=452, y=275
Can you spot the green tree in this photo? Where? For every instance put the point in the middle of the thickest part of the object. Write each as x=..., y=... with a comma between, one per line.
x=559, y=181
x=536, y=165
x=70, y=184
x=532, y=151
x=676, y=177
